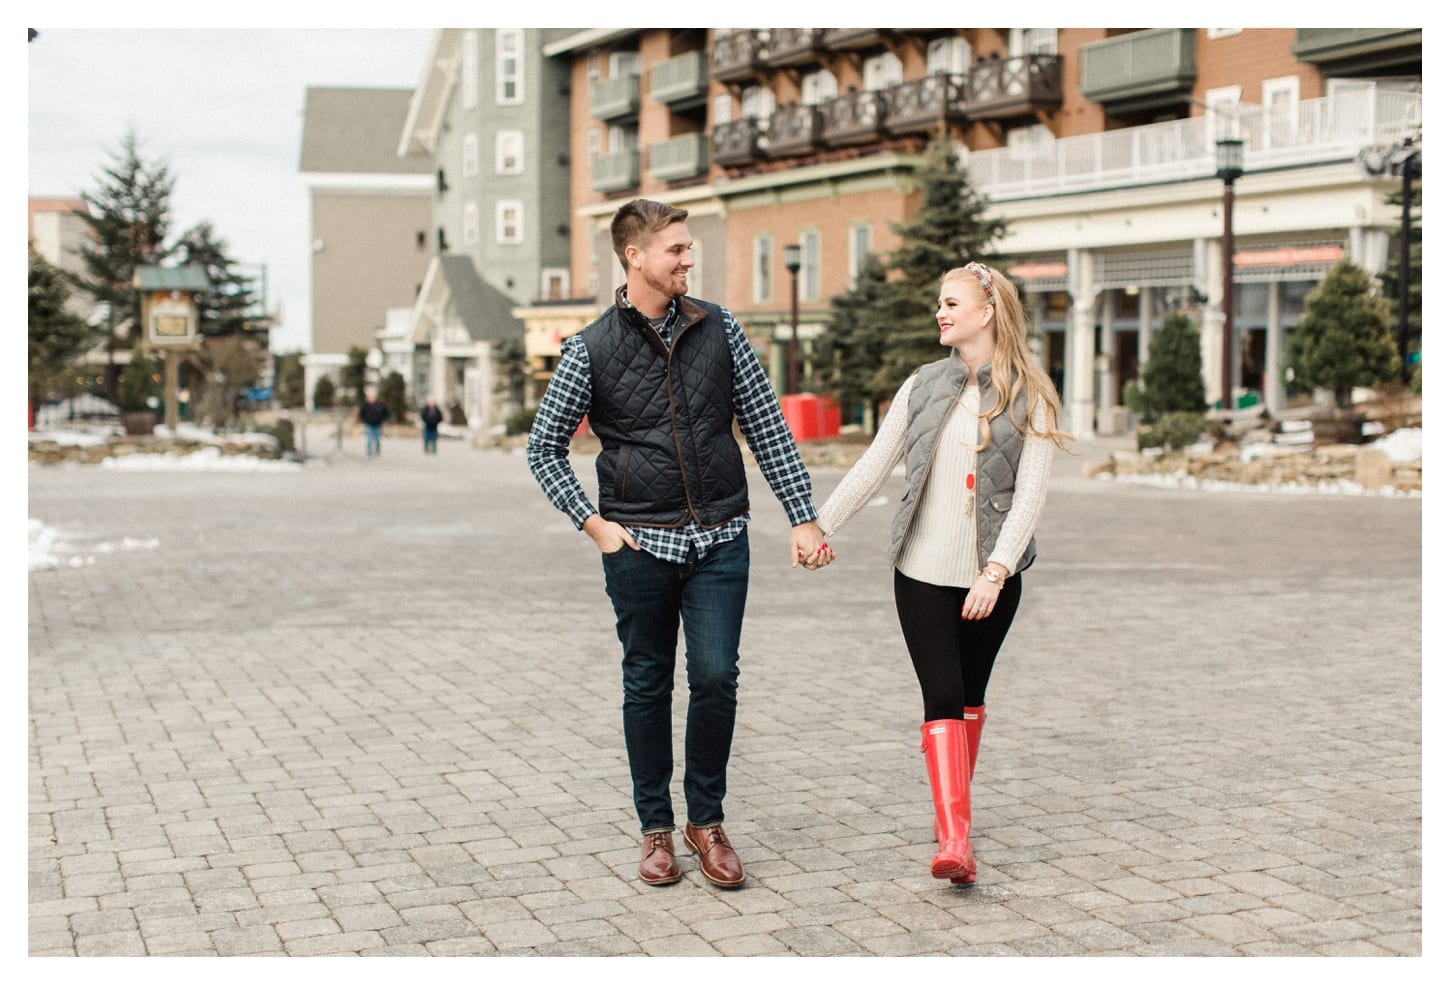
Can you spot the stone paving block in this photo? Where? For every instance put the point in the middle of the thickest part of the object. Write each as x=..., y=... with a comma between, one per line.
x=353, y=748
x=336, y=944
x=120, y=944
x=260, y=940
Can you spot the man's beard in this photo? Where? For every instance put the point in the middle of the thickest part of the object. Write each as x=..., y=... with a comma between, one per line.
x=667, y=286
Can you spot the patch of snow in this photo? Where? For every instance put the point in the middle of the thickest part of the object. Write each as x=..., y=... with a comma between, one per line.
x=202, y=460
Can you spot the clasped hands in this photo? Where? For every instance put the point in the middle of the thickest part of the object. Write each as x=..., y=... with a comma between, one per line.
x=808, y=547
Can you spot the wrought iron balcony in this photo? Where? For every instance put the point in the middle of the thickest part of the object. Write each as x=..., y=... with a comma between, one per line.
x=611, y=99
x=1141, y=70
x=855, y=38
x=681, y=81
x=685, y=156
x=736, y=142
x=792, y=130
x=793, y=46
x=920, y=105
x=615, y=172
x=855, y=118
x=1002, y=89
x=738, y=56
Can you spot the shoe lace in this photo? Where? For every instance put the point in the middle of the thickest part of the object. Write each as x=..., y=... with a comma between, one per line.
x=658, y=840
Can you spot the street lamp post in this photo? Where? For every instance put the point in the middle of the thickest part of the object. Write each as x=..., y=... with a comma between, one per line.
x=1230, y=167
x=1409, y=168
x=792, y=369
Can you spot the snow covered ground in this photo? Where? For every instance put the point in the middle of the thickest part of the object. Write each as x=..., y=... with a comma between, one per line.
x=49, y=548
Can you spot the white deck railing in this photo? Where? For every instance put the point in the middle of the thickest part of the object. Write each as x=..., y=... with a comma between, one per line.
x=1315, y=131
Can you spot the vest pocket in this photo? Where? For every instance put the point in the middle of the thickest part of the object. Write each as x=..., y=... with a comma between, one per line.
x=1002, y=502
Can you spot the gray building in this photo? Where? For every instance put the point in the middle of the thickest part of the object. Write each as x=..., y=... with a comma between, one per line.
x=490, y=122
x=371, y=214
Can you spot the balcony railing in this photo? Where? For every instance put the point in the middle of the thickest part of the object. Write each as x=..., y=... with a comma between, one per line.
x=681, y=81
x=1002, y=89
x=855, y=118
x=1317, y=131
x=854, y=38
x=685, y=156
x=920, y=105
x=1141, y=68
x=615, y=172
x=610, y=99
x=738, y=56
x=736, y=142
x=793, y=129
x=793, y=46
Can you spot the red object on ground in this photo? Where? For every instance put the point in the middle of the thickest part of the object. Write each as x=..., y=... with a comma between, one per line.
x=809, y=415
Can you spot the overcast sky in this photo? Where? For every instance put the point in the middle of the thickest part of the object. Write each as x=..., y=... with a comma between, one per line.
x=223, y=109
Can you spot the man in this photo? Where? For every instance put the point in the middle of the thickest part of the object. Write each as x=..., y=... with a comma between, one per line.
x=662, y=376
x=431, y=415
x=373, y=412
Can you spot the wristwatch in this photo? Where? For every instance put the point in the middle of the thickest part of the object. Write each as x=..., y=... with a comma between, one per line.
x=991, y=575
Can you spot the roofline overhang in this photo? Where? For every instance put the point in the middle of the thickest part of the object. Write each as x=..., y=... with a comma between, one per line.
x=587, y=39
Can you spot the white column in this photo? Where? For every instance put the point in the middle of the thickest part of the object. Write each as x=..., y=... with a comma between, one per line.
x=1078, y=382
x=1274, y=352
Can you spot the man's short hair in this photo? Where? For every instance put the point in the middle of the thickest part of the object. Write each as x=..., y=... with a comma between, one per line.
x=639, y=219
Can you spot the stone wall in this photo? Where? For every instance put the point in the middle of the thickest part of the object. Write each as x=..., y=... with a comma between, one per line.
x=1260, y=465
x=49, y=452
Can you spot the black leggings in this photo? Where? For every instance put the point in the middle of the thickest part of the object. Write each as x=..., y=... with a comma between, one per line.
x=953, y=656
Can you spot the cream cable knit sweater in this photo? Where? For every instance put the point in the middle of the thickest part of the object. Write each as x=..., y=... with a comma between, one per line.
x=941, y=546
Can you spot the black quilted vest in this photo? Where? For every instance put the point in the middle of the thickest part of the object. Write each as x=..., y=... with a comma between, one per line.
x=665, y=418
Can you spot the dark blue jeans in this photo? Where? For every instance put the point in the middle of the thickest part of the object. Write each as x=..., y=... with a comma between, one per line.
x=430, y=440
x=375, y=439
x=652, y=599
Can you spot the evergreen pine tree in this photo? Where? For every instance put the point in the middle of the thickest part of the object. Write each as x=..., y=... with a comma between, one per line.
x=352, y=378
x=1344, y=338
x=882, y=329
x=231, y=304
x=127, y=217
x=324, y=393
x=1173, y=376
x=393, y=392
x=57, y=336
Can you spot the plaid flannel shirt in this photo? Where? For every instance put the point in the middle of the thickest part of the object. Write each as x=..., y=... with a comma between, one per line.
x=568, y=398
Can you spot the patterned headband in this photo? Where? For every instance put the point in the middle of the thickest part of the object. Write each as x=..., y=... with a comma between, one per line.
x=984, y=276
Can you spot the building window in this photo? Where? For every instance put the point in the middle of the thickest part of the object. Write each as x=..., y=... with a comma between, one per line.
x=818, y=88
x=1223, y=111
x=470, y=224
x=1031, y=41
x=1030, y=143
x=620, y=140
x=810, y=276
x=948, y=56
x=1281, y=111
x=858, y=249
x=510, y=66
x=880, y=72
x=468, y=71
x=757, y=102
x=594, y=140
x=722, y=108
x=508, y=147
x=764, y=256
x=623, y=64
x=510, y=224
x=554, y=283
x=470, y=156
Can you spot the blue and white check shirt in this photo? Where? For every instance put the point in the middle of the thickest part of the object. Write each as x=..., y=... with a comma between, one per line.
x=568, y=398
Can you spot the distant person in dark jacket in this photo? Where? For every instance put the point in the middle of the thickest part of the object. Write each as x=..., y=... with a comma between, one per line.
x=431, y=415
x=372, y=412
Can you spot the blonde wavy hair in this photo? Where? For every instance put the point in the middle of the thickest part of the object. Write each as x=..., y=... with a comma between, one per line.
x=1011, y=359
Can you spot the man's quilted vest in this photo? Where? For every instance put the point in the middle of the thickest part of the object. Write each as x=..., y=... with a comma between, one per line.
x=937, y=387
x=665, y=418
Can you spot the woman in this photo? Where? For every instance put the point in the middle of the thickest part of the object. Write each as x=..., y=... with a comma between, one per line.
x=977, y=430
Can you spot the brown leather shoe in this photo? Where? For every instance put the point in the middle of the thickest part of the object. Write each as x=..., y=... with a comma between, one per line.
x=657, y=865
x=718, y=861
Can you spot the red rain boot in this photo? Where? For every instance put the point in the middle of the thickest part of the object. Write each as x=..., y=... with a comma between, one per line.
x=944, y=743
x=974, y=719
